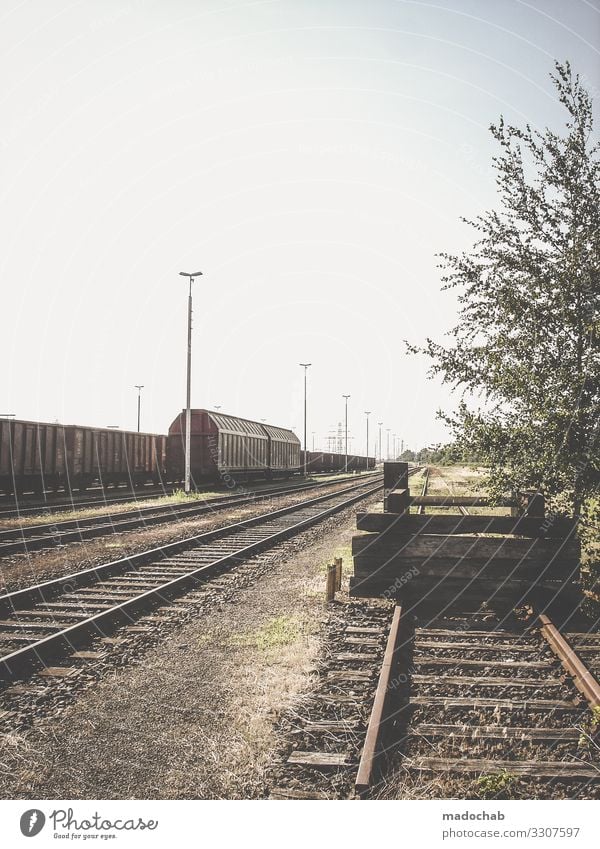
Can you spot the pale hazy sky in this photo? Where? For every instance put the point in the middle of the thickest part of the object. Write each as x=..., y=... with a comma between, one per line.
x=309, y=156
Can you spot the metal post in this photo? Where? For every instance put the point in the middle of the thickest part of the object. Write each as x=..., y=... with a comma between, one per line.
x=388, y=443
x=305, y=366
x=188, y=405
x=346, y=440
x=380, y=457
x=367, y=414
x=139, y=389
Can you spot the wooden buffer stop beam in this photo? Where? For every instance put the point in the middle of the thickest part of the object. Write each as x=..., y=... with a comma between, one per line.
x=411, y=557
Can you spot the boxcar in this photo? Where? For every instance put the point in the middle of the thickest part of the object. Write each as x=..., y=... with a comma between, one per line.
x=321, y=461
x=228, y=449
x=33, y=455
x=111, y=457
x=38, y=456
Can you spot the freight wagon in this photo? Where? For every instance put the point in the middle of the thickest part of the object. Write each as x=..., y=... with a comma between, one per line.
x=38, y=456
x=227, y=448
x=321, y=461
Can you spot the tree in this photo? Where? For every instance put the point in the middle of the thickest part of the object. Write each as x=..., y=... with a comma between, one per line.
x=525, y=351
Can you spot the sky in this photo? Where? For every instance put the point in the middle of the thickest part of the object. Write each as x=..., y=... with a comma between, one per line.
x=310, y=157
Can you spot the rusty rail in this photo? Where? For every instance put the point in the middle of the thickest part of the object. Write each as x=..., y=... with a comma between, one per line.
x=420, y=508
x=584, y=680
x=366, y=768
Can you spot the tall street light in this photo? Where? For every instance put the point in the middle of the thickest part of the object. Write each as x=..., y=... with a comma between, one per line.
x=388, y=443
x=346, y=441
x=380, y=457
x=139, y=389
x=367, y=414
x=305, y=366
x=188, y=408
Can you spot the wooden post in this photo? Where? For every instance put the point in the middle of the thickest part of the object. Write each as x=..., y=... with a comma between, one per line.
x=338, y=573
x=398, y=501
x=395, y=476
x=330, y=586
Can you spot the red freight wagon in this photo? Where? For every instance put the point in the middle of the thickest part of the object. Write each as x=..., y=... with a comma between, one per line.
x=229, y=448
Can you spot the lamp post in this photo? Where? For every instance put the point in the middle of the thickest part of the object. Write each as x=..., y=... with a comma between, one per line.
x=380, y=457
x=346, y=439
x=305, y=366
x=139, y=389
x=388, y=443
x=367, y=414
x=313, y=440
x=188, y=407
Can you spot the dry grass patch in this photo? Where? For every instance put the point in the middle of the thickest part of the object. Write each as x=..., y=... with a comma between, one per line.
x=280, y=631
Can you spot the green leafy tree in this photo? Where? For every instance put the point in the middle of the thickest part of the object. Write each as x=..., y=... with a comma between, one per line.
x=525, y=351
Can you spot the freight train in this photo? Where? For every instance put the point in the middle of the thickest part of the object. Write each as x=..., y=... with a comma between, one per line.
x=38, y=457
x=320, y=461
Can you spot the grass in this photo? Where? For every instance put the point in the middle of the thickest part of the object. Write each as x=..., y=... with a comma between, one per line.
x=589, y=729
x=343, y=551
x=280, y=631
x=496, y=786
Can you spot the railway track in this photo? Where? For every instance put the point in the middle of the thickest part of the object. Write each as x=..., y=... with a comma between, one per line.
x=489, y=708
x=419, y=704
x=323, y=736
x=56, y=504
x=28, y=538
x=43, y=621
x=420, y=508
x=498, y=706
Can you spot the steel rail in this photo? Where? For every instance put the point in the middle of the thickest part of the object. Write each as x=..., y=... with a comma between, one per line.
x=371, y=748
x=17, y=540
x=18, y=662
x=584, y=680
x=420, y=508
x=88, y=500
